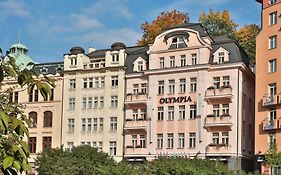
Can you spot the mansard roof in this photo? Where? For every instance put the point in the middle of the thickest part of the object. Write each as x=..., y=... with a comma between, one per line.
x=49, y=68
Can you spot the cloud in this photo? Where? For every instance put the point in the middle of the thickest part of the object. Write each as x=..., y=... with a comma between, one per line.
x=115, y=8
x=14, y=8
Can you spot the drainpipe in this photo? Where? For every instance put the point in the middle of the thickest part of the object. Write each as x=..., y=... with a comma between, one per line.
x=62, y=101
x=237, y=124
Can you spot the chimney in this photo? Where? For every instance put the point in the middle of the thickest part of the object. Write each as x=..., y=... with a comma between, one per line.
x=92, y=49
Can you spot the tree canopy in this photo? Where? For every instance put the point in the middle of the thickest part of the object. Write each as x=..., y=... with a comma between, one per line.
x=164, y=21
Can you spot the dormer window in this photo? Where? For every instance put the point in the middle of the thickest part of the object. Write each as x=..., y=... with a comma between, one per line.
x=221, y=57
x=115, y=58
x=73, y=62
x=178, y=42
x=140, y=66
x=272, y=2
x=44, y=70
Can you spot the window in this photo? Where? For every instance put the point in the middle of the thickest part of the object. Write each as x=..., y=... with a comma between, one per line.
x=160, y=87
x=182, y=85
x=91, y=82
x=171, y=112
x=95, y=124
x=71, y=125
x=171, y=86
x=135, y=114
x=225, y=81
x=193, y=112
x=102, y=82
x=90, y=103
x=71, y=103
x=32, y=144
x=193, y=84
x=160, y=113
x=161, y=62
x=112, y=148
x=192, y=140
x=172, y=61
x=51, y=98
x=47, y=142
x=143, y=88
x=159, y=140
x=143, y=114
x=72, y=84
x=225, y=109
x=272, y=18
x=94, y=144
x=216, y=110
x=216, y=81
x=272, y=2
x=96, y=102
x=114, y=101
x=193, y=59
x=142, y=141
x=134, y=141
x=272, y=42
x=101, y=124
x=272, y=90
x=33, y=119
x=96, y=82
x=225, y=139
x=272, y=141
x=136, y=88
x=100, y=146
x=101, y=102
x=140, y=66
x=170, y=140
x=89, y=124
x=17, y=97
x=183, y=60
x=182, y=112
x=48, y=117
x=272, y=66
x=84, y=103
x=85, y=82
x=272, y=116
x=114, y=81
x=73, y=61
x=113, y=123
x=115, y=58
x=83, y=126
x=70, y=144
x=181, y=140
x=221, y=57
x=178, y=42
x=30, y=97
x=215, y=138
x=36, y=95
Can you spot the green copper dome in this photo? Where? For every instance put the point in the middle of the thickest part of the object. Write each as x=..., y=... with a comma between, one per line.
x=20, y=53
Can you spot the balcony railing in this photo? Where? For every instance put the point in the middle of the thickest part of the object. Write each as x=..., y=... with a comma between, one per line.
x=96, y=65
x=271, y=124
x=218, y=148
x=222, y=120
x=137, y=150
x=135, y=124
x=270, y=100
x=223, y=93
x=136, y=98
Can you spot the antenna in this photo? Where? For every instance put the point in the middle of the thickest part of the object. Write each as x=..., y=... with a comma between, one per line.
x=19, y=37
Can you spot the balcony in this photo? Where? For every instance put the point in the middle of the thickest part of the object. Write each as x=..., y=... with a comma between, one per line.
x=218, y=149
x=136, y=98
x=214, y=121
x=213, y=95
x=97, y=65
x=138, y=150
x=140, y=124
x=271, y=100
x=268, y=125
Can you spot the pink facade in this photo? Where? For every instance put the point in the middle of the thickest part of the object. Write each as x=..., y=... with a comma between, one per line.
x=194, y=97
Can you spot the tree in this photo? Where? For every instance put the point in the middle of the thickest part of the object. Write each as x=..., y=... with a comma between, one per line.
x=246, y=37
x=14, y=151
x=80, y=160
x=218, y=23
x=164, y=21
x=273, y=158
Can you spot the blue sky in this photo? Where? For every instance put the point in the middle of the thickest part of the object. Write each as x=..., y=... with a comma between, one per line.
x=50, y=28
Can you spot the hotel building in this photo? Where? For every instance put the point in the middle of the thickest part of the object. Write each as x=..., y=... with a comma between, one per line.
x=190, y=95
x=268, y=83
x=45, y=114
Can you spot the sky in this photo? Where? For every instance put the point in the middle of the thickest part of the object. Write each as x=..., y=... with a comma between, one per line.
x=49, y=28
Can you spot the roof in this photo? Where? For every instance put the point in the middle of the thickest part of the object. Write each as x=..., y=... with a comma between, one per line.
x=19, y=45
x=49, y=68
x=236, y=53
x=194, y=26
x=133, y=54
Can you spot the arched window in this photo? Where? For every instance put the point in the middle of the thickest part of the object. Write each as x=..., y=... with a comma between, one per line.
x=33, y=118
x=48, y=117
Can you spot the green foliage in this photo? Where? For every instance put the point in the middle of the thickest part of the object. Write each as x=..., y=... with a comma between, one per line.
x=273, y=157
x=14, y=151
